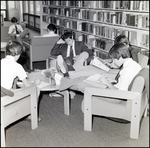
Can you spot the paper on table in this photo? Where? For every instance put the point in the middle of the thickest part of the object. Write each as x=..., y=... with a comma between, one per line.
x=94, y=80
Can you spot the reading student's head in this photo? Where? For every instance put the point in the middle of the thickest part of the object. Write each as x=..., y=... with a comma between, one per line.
x=14, y=20
x=52, y=27
x=67, y=37
x=122, y=39
x=14, y=48
x=119, y=50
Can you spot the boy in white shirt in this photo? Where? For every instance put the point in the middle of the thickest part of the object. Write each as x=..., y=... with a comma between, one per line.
x=121, y=57
x=10, y=69
x=16, y=32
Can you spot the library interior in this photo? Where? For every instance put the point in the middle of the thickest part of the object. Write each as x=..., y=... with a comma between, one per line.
x=95, y=24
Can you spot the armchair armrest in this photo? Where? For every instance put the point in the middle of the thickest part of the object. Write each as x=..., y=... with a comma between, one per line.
x=119, y=94
x=19, y=93
x=110, y=93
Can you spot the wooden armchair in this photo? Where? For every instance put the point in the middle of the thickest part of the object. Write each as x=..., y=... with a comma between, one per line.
x=133, y=103
x=17, y=104
x=39, y=48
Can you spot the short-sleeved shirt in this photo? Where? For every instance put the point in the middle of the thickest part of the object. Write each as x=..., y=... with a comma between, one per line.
x=129, y=71
x=13, y=27
x=50, y=34
x=10, y=69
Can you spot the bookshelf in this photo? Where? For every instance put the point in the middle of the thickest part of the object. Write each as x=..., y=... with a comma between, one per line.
x=103, y=19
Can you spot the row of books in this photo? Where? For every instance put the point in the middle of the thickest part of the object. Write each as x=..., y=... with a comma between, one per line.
x=100, y=30
x=100, y=16
x=104, y=43
x=127, y=5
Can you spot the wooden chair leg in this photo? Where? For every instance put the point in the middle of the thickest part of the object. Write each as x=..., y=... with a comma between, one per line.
x=87, y=112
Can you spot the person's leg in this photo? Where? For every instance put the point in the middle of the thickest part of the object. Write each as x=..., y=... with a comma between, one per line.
x=24, y=33
x=79, y=63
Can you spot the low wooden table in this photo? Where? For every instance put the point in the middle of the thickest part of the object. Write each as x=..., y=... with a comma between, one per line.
x=45, y=86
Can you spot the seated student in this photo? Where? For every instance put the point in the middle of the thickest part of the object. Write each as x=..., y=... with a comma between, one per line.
x=129, y=68
x=133, y=51
x=52, y=31
x=10, y=69
x=16, y=32
x=73, y=52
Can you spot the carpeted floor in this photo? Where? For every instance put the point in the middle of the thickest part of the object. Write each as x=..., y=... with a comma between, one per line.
x=59, y=130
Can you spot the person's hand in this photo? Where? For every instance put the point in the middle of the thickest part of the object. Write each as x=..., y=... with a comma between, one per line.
x=113, y=65
x=104, y=80
x=61, y=41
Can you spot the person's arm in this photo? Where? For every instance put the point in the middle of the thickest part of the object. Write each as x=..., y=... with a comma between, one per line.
x=57, y=49
x=106, y=82
x=26, y=83
x=11, y=31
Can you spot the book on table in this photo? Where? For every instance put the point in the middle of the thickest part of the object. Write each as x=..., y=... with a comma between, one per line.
x=94, y=80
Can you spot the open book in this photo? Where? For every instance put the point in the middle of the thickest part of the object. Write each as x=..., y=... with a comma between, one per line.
x=96, y=62
x=94, y=80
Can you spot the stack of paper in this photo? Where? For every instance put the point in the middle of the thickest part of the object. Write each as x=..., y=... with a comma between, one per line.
x=94, y=80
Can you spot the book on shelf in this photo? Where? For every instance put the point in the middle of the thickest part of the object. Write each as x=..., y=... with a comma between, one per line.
x=100, y=16
x=96, y=62
x=133, y=37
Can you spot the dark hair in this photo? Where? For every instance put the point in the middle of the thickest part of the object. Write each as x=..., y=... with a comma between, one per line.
x=119, y=50
x=14, y=20
x=67, y=35
x=13, y=48
x=52, y=27
x=121, y=39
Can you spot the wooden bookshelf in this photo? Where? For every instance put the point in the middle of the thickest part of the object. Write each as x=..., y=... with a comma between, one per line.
x=103, y=19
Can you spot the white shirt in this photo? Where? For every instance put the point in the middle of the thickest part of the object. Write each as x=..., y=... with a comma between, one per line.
x=129, y=71
x=13, y=27
x=10, y=69
x=73, y=48
x=50, y=34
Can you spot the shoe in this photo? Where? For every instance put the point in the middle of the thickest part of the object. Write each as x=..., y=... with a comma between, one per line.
x=61, y=65
x=54, y=95
x=72, y=94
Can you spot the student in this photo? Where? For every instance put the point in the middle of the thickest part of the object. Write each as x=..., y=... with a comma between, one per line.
x=52, y=31
x=10, y=69
x=16, y=32
x=133, y=51
x=121, y=57
x=75, y=53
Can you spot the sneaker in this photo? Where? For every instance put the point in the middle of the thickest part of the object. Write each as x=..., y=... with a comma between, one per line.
x=72, y=94
x=54, y=95
x=61, y=65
